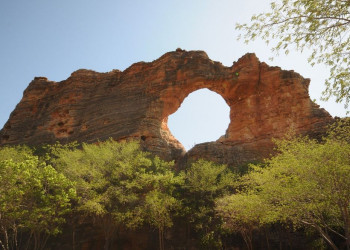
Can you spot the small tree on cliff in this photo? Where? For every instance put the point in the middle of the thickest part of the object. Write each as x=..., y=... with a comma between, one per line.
x=319, y=25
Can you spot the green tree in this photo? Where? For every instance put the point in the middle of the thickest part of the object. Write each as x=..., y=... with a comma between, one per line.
x=204, y=181
x=307, y=184
x=16, y=153
x=243, y=213
x=161, y=204
x=34, y=198
x=159, y=207
x=319, y=25
x=117, y=183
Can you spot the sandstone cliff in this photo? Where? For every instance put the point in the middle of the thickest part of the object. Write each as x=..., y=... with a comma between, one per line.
x=265, y=102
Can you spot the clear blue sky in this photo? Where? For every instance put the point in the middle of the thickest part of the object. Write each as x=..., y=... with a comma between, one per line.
x=53, y=38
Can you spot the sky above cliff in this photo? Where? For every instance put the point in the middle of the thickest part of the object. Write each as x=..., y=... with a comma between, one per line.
x=54, y=38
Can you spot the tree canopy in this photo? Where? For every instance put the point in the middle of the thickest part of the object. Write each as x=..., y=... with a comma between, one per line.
x=322, y=26
x=205, y=181
x=34, y=197
x=306, y=184
x=119, y=186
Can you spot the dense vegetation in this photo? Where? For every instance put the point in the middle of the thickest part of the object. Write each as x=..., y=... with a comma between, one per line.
x=115, y=186
x=306, y=185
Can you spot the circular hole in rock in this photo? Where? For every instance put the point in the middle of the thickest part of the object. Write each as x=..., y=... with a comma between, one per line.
x=203, y=116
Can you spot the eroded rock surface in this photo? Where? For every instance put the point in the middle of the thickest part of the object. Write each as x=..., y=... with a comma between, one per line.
x=265, y=102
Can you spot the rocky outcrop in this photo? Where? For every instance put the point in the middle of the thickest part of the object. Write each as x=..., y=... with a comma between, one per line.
x=265, y=102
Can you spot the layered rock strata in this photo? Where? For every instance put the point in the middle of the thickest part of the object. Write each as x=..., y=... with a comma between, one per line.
x=265, y=102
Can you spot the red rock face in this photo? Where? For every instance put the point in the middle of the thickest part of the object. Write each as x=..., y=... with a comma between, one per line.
x=265, y=102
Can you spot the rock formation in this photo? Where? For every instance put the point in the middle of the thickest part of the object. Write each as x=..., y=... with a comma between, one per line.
x=265, y=102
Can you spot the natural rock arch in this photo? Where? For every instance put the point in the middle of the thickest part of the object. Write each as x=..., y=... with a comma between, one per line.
x=264, y=103
x=202, y=117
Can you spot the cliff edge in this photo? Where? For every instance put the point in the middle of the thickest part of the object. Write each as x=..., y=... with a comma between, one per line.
x=265, y=102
